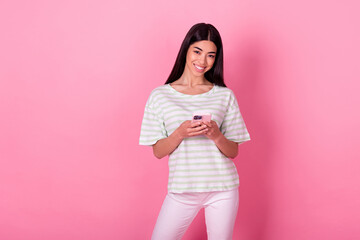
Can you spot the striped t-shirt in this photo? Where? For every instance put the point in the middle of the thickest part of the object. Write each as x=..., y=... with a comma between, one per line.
x=196, y=165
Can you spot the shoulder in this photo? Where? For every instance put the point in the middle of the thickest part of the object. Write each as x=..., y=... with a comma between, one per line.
x=228, y=96
x=158, y=93
x=224, y=91
x=159, y=90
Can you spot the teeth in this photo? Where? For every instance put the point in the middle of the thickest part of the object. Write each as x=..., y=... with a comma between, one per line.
x=200, y=68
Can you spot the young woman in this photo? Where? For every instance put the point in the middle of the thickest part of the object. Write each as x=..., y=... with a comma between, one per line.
x=201, y=173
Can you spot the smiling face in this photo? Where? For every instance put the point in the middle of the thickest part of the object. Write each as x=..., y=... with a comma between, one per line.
x=200, y=57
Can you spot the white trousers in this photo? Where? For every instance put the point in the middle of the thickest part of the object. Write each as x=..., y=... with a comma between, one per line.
x=179, y=209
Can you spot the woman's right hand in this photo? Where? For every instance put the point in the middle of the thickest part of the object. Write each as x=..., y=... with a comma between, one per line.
x=167, y=145
x=190, y=129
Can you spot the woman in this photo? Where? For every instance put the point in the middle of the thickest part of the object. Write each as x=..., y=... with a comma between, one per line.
x=201, y=174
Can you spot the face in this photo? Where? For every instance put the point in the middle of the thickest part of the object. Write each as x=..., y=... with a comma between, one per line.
x=200, y=57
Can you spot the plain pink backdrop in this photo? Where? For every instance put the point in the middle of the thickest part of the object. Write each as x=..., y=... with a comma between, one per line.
x=74, y=79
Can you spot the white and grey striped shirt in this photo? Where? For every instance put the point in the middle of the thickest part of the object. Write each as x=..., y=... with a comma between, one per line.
x=196, y=165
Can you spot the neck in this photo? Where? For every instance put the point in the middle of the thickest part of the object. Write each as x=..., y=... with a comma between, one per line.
x=190, y=80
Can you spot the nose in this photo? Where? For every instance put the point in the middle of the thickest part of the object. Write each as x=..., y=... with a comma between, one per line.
x=202, y=59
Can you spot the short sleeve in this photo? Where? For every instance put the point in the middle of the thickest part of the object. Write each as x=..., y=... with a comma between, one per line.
x=233, y=126
x=152, y=127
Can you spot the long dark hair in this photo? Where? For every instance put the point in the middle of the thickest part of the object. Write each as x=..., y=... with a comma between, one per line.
x=200, y=32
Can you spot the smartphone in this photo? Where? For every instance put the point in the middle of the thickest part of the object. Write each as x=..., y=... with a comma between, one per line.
x=201, y=117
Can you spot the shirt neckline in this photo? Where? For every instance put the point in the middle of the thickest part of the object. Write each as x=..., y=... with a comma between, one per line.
x=191, y=95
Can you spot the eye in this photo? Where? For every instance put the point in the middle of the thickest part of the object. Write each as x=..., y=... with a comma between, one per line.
x=197, y=52
x=212, y=56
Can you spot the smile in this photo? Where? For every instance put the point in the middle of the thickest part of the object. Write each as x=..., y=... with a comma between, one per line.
x=198, y=68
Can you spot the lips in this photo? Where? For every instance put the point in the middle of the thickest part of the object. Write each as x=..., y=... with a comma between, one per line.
x=199, y=68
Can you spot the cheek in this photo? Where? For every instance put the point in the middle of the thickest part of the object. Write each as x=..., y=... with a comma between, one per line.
x=211, y=61
x=190, y=58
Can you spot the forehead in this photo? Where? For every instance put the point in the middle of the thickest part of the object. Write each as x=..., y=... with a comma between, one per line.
x=205, y=45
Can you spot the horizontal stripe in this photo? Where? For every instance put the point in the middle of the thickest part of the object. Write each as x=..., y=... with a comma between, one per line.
x=212, y=181
x=198, y=140
x=192, y=109
x=203, y=188
x=152, y=135
x=239, y=136
x=217, y=163
x=202, y=164
x=238, y=129
x=229, y=115
x=204, y=175
x=160, y=99
x=157, y=96
x=199, y=157
x=151, y=131
x=198, y=151
x=150, y=140
x=202, y=170
x=169, y=105
x=148, y=126
x=206, y=145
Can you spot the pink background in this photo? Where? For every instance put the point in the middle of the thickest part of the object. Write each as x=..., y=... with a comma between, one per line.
x=74, y=79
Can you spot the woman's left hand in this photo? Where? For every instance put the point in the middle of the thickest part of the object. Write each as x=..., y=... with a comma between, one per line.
x=213, y=132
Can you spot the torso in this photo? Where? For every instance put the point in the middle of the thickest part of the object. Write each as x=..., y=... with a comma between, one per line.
x=196, y=165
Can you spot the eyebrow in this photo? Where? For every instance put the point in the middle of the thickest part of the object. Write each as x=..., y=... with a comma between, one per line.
x=201, y=49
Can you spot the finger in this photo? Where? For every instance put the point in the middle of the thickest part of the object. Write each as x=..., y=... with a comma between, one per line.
x=204, y=131
x=208, y=124
x=214, y=123
x=198, y=128
x=195, y=124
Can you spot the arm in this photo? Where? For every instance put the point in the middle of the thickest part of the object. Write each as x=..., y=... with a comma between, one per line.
x=227, y=147
x=165, y=146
